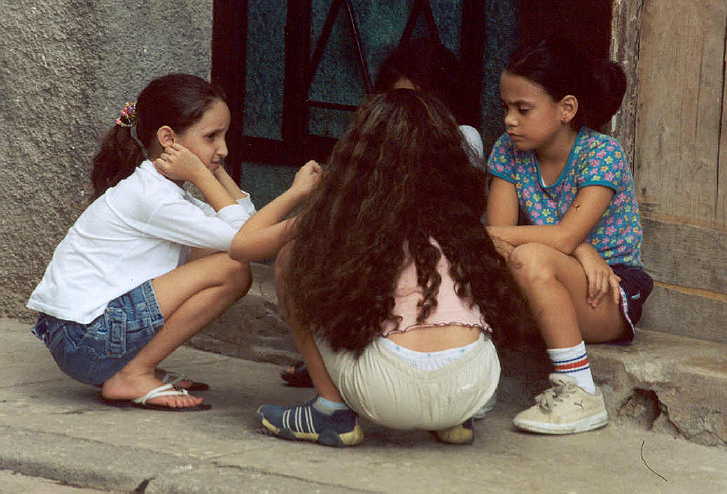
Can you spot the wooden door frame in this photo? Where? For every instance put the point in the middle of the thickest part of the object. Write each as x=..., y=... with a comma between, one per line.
x=229, y=43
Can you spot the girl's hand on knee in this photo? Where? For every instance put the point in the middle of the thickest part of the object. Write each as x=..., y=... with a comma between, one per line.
x=503, y=248
x=615, y=283
x=599, y=275
x=179, y=163
x=601, y=281
x=307, y=178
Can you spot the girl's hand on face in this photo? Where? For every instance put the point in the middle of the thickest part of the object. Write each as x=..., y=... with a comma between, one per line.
x=179, y=163
x=307, y=178
x=220, y=172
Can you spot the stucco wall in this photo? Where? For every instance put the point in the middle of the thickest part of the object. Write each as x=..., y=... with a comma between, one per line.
x=66, y=68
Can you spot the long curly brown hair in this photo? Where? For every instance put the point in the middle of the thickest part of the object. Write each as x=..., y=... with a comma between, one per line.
x=398, y=177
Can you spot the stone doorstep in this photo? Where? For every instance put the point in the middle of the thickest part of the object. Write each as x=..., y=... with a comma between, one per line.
x=666, y=383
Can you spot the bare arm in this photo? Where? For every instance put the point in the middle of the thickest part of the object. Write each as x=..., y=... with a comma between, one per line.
x=570, y=232
x=266, y=232
x=230, y=185
x=502, y=210
x=502, y=204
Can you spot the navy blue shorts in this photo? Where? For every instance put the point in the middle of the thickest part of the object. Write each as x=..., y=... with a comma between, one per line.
x=92, y=353
x=636, y=285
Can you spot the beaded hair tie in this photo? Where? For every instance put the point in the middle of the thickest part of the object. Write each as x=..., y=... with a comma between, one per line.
x=127, y=116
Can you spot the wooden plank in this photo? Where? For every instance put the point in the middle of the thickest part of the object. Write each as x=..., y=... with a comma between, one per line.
x=721, y=209
x=678, y=313
x=686, y=255
x=625, y=30
x=679, y=109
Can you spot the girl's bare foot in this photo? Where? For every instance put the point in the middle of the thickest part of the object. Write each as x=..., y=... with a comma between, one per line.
x=184, y=384
x=128, y=384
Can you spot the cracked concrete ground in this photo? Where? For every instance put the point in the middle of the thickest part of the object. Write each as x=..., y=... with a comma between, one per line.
x=54, y=428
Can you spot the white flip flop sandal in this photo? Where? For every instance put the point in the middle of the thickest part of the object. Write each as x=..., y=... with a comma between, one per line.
x=164, y=390
x=174, y=378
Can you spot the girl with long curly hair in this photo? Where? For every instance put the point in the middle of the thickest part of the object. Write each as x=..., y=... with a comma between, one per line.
x=389, y=280
x=426, y=65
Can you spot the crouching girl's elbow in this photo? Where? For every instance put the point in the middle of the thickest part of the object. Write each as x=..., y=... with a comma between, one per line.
x=238, y=250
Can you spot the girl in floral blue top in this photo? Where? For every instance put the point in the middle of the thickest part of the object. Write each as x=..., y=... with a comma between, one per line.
x=578, y=260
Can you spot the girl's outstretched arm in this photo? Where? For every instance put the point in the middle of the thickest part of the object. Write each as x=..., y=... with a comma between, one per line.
x=262, y=236
x=582, y=216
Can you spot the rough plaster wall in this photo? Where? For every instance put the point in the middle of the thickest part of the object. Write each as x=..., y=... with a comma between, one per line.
x=66, y=67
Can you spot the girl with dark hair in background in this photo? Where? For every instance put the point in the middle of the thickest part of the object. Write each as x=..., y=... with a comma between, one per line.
x=390, y=283
x=578, y=262
x=145, y=268
x=427, y=65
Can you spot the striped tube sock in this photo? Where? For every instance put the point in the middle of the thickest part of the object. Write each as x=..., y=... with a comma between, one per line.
x=573, y=361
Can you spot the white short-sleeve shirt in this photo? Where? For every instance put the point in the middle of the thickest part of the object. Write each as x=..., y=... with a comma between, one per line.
x=136, y=231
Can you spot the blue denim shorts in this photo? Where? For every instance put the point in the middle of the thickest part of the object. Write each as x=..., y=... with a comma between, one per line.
x=92, y=353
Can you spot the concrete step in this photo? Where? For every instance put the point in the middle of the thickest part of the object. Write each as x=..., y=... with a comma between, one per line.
x=665, y=383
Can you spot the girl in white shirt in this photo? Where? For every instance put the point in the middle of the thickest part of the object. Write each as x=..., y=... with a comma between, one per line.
x=145, y=267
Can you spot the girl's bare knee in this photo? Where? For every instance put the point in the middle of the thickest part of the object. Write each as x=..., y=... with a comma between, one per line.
x=532, y=262
x=233, y=275
x=239, y=278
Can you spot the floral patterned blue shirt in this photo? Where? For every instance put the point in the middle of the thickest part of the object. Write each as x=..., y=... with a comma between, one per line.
x=595, y=159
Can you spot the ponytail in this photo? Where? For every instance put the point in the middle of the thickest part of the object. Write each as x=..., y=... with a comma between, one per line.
x=608, y=86
x=561, y=68
x=116, y=159
x=176, y=100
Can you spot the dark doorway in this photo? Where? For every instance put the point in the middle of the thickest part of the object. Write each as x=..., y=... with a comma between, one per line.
x=289, y=100
x=305, y=65
x=586, y=22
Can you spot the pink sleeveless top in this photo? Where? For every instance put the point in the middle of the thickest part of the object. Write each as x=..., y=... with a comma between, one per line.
x=451, y=310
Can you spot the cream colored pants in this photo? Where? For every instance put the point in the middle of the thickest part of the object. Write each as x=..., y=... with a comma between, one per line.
x=387, y=390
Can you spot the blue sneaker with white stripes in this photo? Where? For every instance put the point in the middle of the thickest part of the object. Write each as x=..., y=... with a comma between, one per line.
x=305, y=423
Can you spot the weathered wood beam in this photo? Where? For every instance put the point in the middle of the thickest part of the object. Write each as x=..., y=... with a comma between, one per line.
x=625, y=32
x=686, y=255
x=686, y=313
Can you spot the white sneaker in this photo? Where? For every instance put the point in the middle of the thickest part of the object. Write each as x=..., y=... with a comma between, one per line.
x=564, y=409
